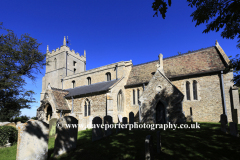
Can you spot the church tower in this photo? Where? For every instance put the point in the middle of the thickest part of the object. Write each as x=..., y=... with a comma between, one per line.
x=61, y=63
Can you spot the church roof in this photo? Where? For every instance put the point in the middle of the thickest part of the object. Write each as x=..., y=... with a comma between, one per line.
x=59, y=98
x=93, y=88
x=196, y=62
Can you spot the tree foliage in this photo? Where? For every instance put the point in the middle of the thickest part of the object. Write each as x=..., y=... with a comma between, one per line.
x=218, y=14
x=20, y=59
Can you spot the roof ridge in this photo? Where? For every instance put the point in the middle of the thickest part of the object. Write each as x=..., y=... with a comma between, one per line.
x=175, y=56
x=58, y=89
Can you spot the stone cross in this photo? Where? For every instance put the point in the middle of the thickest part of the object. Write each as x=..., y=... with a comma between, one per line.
x=66, y=135
x=148, y=148
x=32, y=140
x=97, y=130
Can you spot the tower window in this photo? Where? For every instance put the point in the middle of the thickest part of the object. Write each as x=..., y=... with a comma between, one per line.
x=74, y=63
x=195, y=90
x=108, y=74
x=89, y=80
x=188, y=90
x=73, y=84
x=74, y=70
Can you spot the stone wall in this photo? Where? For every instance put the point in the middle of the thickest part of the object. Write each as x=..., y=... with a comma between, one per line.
x=208, y=107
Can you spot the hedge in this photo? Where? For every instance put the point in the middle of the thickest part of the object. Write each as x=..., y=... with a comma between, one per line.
x=8, y=132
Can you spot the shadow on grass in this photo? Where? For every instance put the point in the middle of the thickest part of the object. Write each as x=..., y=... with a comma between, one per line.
x=208, y=142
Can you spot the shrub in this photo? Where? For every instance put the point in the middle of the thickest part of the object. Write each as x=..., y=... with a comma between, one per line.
x=23, y=119
x=8, y=133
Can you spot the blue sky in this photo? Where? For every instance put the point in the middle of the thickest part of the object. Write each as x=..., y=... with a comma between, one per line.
x=109, y=31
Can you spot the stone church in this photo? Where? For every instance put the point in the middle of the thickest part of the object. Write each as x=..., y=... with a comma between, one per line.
x=195, y=84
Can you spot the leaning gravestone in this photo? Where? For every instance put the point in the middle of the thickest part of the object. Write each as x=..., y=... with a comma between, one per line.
x=131, y=118
x=107, y=120
x=52, y=127
x=97, y=130
x=223, y=123
x=148, y=148
x=32, y=140
x=158, y=142
x=66, y=137
x=233, y=129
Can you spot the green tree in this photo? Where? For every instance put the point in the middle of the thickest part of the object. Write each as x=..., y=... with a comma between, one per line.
x=20, y=59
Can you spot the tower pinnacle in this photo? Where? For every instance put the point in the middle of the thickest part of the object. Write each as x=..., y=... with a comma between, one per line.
x=64, y=41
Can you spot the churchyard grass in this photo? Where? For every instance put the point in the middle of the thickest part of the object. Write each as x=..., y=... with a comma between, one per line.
x=8, y=153
x=205, y=143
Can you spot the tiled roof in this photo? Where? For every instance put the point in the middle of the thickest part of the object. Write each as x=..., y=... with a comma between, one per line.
x=60, y=100
x=93, y=88
x=200, y=61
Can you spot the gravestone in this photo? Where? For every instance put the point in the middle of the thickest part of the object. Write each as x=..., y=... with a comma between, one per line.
x=223, y=123
x=120, y=118
x=118, y=128
x=52, y=127
x=158, y=142
x=148, y=148
x=131, y=118
x=107, y=120
x=124, y=121
x=32, y=140
x=97, y=130
x=66, y=137
x=233, y=129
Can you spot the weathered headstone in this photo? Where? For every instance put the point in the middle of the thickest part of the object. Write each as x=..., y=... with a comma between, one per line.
x=32, y=140
x=120, y=118
x=233, y=129
x=118, y=128
x=131, y=118
x=66, y=137
x=108, y=121
x=97, y=130
x=52, y=127
x=158, y=142
x=148, y=148
x=124, y=121
x=223, y=123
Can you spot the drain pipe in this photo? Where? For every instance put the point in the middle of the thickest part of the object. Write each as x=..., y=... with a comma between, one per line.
x=139, y=103
x=223, y=94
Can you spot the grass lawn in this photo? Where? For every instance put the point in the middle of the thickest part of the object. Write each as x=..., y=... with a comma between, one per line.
x=205, y=143
x=208, y=142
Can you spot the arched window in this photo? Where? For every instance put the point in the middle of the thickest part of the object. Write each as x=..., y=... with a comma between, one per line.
x=138, y=94
x=188, y=90
x=195, y=90
x=73, y=84
x=133, y=97
x=120, y=101
x=89, y=80
x=108, y=75
x=87, y=108
x=55, y=63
